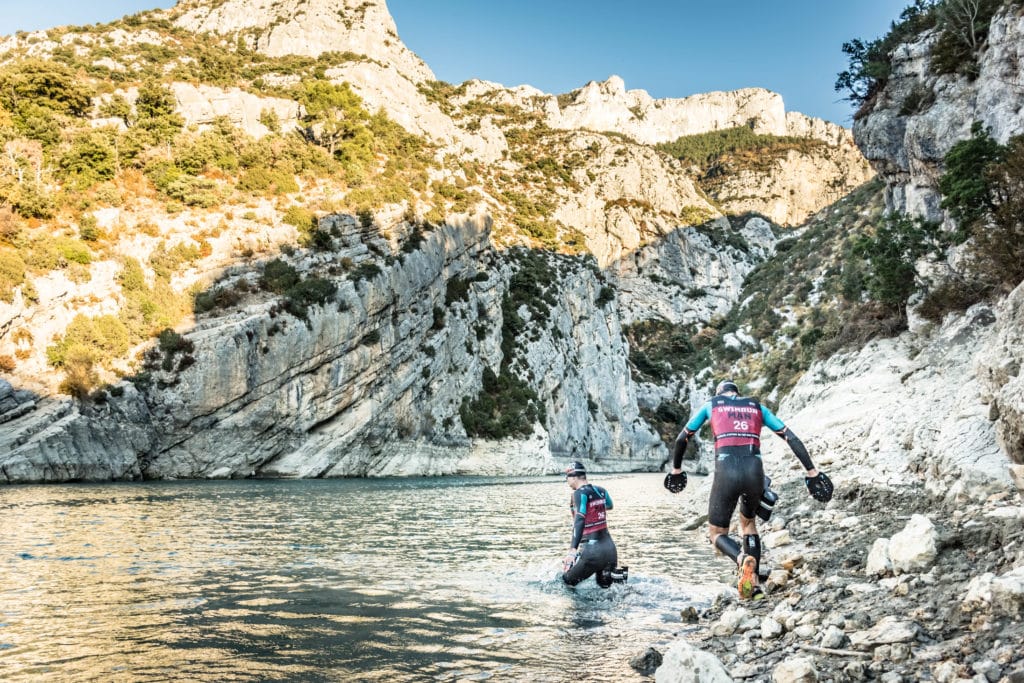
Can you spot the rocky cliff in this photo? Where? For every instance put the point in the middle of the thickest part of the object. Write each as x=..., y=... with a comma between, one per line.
x=905, y=131
x=305, y=27
x=918, y=116
x=369, y=384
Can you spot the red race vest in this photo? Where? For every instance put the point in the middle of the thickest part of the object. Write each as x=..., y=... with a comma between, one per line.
x=736, y=421
x=594, y=517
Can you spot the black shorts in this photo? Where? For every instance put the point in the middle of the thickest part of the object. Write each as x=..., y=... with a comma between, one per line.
x=739, y=478
x=596, y=554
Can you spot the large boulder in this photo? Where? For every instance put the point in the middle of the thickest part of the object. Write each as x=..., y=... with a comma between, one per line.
x=684, y=663
x=914, y=548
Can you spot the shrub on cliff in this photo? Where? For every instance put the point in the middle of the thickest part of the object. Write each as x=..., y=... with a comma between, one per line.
x=31, y=85
x=12, y=273
x=154, y=108
x=505, y=407
x=91, y=158
x=983, y=189
x=337, y=121
x=964, y=26
x=703, y=149
x=999, y=247
x=148, y=309
x=313, y=291
x=99, y=339
x=892, y=253
x=262, y=179
x=965, y=184
x=278, y=276
x=870, y=61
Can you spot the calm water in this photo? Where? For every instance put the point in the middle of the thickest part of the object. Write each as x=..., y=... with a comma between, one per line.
x=341, y=580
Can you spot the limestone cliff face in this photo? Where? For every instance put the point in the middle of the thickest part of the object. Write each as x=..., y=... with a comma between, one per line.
x=609, y=106
x=628, y=196
x=690, y=274
x=904, y=407
x=796, y=186
x=306, y=27
x=940, y=402
x=998, y=368
x=369, y=385
x=906, y=146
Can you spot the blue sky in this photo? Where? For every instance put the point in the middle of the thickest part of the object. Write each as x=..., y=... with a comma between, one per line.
x=668, y=48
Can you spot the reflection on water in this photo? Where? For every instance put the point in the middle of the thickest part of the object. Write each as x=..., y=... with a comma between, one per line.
x=372, y=580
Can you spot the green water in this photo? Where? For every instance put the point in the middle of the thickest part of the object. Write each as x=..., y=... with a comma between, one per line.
x=334, y=580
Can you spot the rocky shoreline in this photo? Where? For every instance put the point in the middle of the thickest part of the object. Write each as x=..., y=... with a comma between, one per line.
x=889, y=584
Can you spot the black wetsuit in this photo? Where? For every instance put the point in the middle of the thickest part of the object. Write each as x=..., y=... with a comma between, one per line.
x=598, y=554
x=736, y=423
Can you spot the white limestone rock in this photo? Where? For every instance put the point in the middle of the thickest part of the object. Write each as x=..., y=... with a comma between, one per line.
x=795, y=670
x=729, y=621
x=601, y=106
x=914, y=548
x=878, y=562
x=683, y=663
x=778, y=539
x=307, y=27
x=998, y=367
x=907, y=149
x=887, y=631
x=771, y=629
x=798, y=185
x=861, y=408
x=833, y=637
x=1002, y=595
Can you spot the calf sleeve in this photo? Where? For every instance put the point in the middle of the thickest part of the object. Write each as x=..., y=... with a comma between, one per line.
x=752, y=547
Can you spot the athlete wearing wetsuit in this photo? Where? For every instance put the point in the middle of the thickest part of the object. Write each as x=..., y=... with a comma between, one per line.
x=591, y=550
x=736, y=423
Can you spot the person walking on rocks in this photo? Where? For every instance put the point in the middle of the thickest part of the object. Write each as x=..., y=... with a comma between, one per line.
x=736, y=423
x=591, y=549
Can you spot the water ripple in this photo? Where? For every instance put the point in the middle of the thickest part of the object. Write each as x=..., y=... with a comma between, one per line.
x=368, y=580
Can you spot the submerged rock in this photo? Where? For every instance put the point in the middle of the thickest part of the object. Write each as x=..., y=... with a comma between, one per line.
x=647, y=662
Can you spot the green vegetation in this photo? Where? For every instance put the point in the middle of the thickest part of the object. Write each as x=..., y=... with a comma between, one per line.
x=891, y=254
x=667, y=419
x=982, y=189
x=659, y=349
x=741, y=143
x=86, y=343
x=313, y=291
x=12, y=273
x=965, y=185
x=870, y=62
x=299, y=294
x=441, y=94
x=170, y=344
x=507, y=406
x=456, y=290
x=149, y=309
x=338, y=121
x=964, y=25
